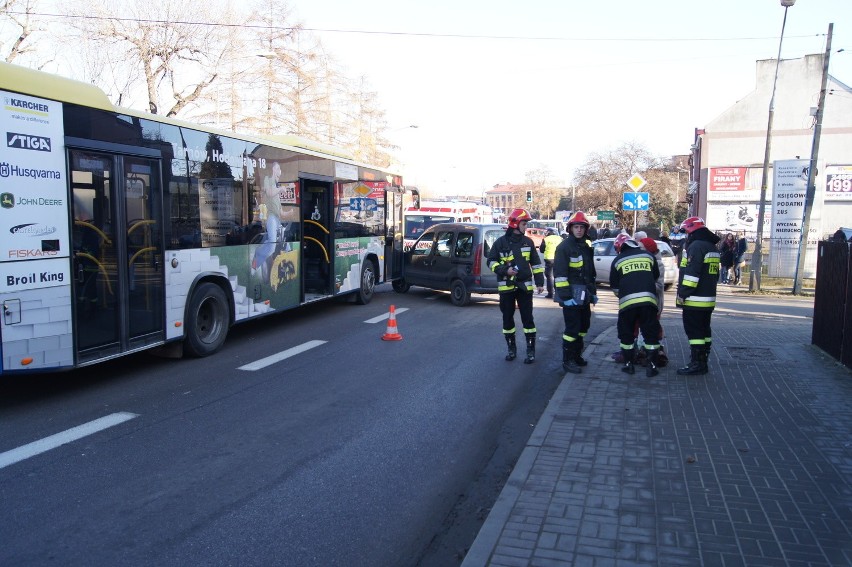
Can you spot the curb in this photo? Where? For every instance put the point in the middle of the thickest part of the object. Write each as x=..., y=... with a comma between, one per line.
x=483, y=546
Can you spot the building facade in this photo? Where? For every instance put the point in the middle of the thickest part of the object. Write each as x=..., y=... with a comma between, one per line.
x=728, y=155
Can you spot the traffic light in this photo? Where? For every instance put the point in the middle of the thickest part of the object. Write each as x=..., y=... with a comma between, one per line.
x=529, y=196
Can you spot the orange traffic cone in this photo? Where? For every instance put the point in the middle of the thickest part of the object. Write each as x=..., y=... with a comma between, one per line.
x=391, y=334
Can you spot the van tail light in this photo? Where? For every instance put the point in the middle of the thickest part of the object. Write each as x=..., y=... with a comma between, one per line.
x=477, y=260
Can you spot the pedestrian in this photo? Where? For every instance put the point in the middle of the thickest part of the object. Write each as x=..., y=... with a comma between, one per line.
x=574, y=277
x=696, y=292
x=515, y=260
x=727, y=254
x=548, y=250
x=739, y=261
x=592, y=233
x=633, y=278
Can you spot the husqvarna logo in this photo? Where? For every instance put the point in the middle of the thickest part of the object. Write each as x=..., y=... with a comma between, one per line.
x=27, y=142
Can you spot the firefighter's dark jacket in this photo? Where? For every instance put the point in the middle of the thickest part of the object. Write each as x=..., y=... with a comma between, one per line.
x=699, y=271
x=573, y=264
x=634, y=274
x=515, y=249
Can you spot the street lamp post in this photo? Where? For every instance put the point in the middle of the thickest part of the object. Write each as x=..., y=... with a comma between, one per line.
x=756, y=261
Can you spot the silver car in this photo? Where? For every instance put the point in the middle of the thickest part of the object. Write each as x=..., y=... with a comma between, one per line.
x=605, y=253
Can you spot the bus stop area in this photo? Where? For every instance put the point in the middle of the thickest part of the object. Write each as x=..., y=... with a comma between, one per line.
x=750, y=464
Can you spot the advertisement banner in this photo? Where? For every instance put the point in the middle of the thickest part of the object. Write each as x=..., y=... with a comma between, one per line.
x=33, y=200
x=838, y=183
x=788, y=205
x=734, y=183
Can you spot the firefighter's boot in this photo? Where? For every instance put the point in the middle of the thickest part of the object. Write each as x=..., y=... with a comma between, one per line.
x=695, y=366
x=513, y=348
x=530, y=349
x=569, y=357
x=651, y=363
x=628, y=354
x=578, y=356
x=705, y=358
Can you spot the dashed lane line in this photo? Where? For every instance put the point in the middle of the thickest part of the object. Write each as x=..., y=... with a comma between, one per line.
x=278, y=357
x=42, y=445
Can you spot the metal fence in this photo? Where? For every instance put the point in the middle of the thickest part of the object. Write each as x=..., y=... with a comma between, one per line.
x=832, y=330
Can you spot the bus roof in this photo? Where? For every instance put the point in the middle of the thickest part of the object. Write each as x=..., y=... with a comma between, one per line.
x=62, y=89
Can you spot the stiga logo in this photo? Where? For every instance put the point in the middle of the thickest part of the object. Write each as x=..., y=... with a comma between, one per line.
x=27, y=142
x=7, y=200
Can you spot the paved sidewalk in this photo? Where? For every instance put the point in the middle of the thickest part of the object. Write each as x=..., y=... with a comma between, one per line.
x=748, y=465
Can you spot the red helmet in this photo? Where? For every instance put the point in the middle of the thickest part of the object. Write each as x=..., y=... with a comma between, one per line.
x=578, y=218
x=517, y=216
x=692, y=224
x=623, y=238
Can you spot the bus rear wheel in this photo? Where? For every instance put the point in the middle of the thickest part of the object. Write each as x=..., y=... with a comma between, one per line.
x=206, y=320
x=368, y=283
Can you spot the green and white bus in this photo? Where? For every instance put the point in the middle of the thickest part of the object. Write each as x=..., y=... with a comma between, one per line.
x=124, y=231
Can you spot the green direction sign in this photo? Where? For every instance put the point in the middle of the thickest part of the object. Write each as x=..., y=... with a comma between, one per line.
x=606, y=215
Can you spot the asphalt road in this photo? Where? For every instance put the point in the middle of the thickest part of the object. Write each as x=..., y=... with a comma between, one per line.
x=355, y=451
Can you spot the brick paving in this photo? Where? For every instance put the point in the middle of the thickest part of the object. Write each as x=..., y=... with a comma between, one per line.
x=749, y=465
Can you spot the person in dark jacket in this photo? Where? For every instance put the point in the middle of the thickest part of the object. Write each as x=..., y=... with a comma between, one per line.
x=742, y=244
x=574, y=279
x=696, y=292
x=727, y=255
x=515, y=260
x=633, y=278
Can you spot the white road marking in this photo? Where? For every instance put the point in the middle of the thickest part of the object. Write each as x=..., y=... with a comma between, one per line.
x=386, y=316
x=42, y=445
x=284, y=354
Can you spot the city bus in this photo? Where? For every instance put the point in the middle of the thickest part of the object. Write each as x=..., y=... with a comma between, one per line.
x=124, y=231
x=420, y=215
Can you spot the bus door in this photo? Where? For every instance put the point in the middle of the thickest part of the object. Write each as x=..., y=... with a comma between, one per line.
x=117, y=252
x=317, y=246
x=394, y=240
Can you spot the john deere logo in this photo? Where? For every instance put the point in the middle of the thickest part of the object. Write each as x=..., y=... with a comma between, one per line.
x=7, y=200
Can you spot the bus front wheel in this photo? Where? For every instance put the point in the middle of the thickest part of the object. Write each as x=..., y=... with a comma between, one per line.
x=368, y=283
x=206, y=320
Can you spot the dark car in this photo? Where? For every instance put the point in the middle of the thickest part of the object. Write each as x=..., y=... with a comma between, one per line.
x=451, y=257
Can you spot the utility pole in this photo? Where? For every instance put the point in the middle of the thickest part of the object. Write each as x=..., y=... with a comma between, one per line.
x=757, y=256
x=811, y=188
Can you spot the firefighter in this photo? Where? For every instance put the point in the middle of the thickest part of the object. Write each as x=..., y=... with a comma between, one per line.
x=633, y=278
x=574, y=279
x=515, y=260
x=696, y=292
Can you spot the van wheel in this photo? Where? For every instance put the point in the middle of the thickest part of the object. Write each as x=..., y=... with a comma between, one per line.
x=459, y=294
x=400, y=285
x=368, y=283
x=206, y=320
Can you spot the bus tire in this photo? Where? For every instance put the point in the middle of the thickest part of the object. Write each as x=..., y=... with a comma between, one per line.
x=400, y=285
x=207, y=320
x=459, y=294
x=368, y=283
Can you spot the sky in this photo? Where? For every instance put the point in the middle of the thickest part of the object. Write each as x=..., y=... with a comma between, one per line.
x=498, y=88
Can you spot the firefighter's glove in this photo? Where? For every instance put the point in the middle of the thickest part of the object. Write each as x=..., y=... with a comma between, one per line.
x=569, y=303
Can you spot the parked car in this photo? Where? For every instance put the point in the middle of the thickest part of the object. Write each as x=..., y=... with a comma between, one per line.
x=451, y=257
x=605, y=253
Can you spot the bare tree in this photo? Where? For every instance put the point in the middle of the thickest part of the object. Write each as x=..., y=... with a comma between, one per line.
x=545, y=190
x=601, y=181
x=177, y=46
x=19, y=26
